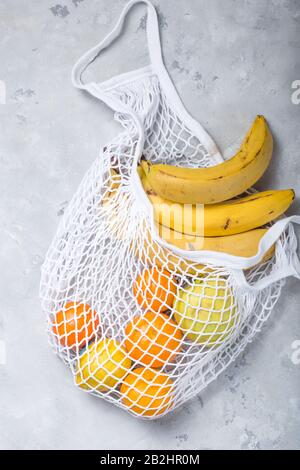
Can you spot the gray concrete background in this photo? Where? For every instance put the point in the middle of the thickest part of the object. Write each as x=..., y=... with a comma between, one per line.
x=230, y=60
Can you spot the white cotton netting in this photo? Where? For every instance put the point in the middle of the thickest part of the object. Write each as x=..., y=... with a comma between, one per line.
x=136, y=324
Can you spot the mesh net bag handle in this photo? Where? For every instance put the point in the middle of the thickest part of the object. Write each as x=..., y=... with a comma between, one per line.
x=157, y=65
x=153, y=38
x=98, y=89
x=122, y=305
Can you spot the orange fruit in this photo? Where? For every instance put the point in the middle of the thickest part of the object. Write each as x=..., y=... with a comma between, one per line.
x=154, y=290
x=147, y=392
x=152, y=339
x=75, y=325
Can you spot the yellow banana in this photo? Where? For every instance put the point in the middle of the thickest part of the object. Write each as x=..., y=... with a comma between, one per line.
x=241, y=244
x=220, y=182
x=226, y=218
x=244, y=244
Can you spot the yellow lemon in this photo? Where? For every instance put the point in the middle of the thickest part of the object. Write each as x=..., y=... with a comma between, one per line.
x=102, y=365
x=206, y=311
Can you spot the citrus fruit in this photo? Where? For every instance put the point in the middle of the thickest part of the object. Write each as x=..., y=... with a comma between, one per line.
x=152, y=339
x=75, y=325
x=102, y=365
x=147, y=392
x=206, y=311
x=154, y=290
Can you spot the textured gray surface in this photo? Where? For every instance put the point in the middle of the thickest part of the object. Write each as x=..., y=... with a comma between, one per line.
x=230, y=60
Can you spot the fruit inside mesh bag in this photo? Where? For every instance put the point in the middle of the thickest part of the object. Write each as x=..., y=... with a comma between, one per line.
x=206, y=311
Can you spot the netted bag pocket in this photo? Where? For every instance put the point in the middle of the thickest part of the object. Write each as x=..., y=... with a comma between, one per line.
x=137, y=324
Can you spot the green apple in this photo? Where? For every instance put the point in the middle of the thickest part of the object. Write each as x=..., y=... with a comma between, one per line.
x=206, y=311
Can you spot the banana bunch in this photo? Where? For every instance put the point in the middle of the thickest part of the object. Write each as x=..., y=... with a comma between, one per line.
x=194, y=207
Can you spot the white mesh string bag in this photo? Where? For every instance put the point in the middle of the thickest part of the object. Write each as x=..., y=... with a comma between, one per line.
x=139, y=322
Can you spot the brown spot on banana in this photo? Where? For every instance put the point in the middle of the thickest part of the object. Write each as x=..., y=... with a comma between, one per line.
x=227, y=223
